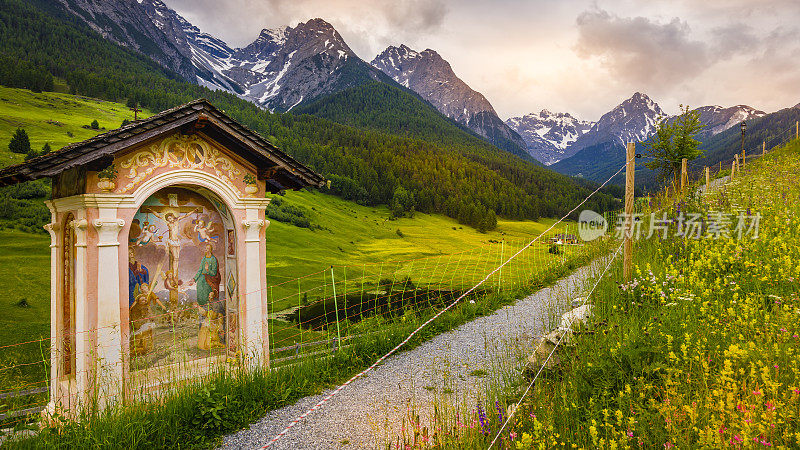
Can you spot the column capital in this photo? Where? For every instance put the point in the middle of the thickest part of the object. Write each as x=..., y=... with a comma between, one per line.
x=252, y=229
x=53, y=228
x=80, y=226
x=108, y=231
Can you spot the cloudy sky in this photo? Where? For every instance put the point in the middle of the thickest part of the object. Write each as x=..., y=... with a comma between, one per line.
x=578, y=56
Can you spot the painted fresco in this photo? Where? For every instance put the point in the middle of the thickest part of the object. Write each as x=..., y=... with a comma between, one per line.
x=182, y=302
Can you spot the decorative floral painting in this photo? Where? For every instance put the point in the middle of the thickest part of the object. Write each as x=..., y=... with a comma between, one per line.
x=180, y=306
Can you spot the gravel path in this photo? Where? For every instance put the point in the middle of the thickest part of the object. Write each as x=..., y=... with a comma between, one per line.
x=370, y=412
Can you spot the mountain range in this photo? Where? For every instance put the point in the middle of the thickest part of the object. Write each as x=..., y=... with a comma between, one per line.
x=547, y=135
x=369, y=139
x=430, y=76
x=583, y=148
x=309, y=68
x=286, y=67
x=718, y=119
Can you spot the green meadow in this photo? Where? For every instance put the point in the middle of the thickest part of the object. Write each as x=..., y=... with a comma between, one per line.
x=361, y=242
x=365, y=244
x=54, y=118
x=371, y=251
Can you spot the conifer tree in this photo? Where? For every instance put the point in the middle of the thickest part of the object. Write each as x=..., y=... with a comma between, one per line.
x=20, y=143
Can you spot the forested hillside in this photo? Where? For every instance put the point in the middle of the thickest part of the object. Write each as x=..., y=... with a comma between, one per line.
x=774, y=128
x=379, y=106
x=471, y=181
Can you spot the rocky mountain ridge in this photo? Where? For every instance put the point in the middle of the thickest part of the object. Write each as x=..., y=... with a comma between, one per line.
x=432, y=77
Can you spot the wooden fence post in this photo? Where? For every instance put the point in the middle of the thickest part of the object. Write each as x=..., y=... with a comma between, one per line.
x=684, y=175
x=708, y=179
x=630, y=167
x=763, y=148
x=797, y=129
x=733, y=169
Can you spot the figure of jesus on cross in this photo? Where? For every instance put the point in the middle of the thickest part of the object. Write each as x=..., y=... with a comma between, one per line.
x=173, y=217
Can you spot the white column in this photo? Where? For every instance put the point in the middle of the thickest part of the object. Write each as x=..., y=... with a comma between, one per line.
x=109, y=331
x=83, y=356
x=255, y=339
x=55, y=282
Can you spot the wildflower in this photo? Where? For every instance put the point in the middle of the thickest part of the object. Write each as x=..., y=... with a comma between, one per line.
x=512, y=435
x=482, y=418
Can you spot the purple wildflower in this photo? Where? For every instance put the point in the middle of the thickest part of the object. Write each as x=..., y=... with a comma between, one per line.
x=499, y=411
x=482, y=418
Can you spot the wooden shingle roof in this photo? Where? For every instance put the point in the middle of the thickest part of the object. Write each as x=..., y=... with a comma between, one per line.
x=279, y=169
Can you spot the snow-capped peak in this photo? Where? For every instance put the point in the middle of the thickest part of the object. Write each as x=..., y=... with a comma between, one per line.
x=548, y=134
x=718, y=119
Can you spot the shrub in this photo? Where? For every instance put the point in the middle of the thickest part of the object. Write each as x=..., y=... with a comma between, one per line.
x=402, y=203
x=283, y=212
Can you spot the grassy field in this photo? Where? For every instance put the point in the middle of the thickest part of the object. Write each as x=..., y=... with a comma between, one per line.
x=369, y=249
x=367, y=245
x=57, y=119
x=354, y=238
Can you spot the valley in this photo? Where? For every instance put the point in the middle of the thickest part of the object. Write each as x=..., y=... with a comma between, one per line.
x=220, y=220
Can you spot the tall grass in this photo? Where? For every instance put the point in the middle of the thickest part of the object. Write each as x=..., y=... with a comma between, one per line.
x=700, y=350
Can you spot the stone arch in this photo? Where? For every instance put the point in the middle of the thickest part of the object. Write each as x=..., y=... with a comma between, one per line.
x=188, y=177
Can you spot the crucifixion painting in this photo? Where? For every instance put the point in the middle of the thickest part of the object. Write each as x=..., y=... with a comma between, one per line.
x=178, y=312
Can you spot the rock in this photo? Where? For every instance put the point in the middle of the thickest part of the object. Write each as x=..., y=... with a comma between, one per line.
x=580, y=301
x=576, y=316
x=543, y=347
x=561, y=336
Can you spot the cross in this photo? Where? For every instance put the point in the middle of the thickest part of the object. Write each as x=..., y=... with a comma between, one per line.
x=172, y=234
x=136, y=112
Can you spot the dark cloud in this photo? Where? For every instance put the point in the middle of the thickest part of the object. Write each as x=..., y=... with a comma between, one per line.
x=416, y=15
x=734, y=39
x=239, y=21
x=641, y=50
